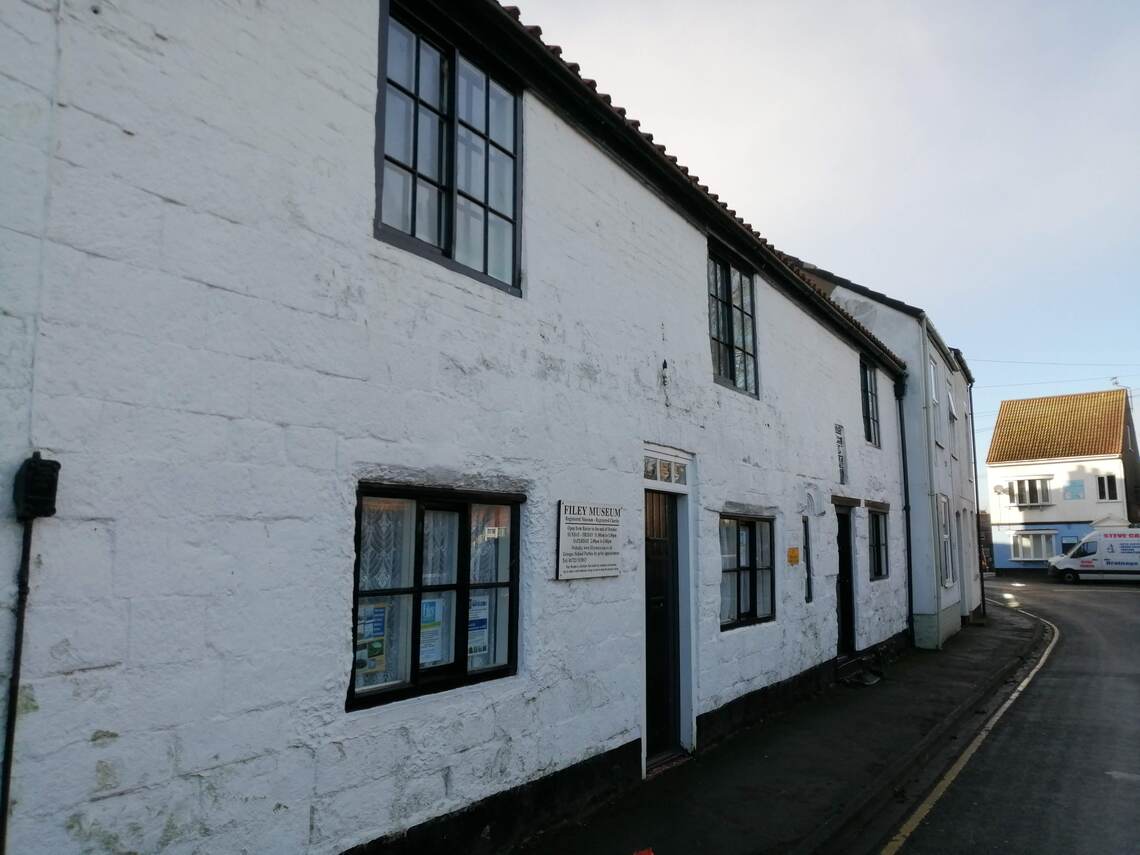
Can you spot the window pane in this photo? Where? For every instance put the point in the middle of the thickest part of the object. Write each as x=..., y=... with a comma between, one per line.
x=398, y=125
x=764, y=593
x=429, y=154
x=714, y=317
x=728, y=544
x=1112, y=487
x=725, y=364
x=746, y=285
x=441, y=547
x=711, y=271
x=728, y=597
x=401, y=54
x=500, y=249
x=737, y=328
x=396, y=204
x=649, y=468
x=680, y=473
x=1045, y=492
x=471, y=97
x=468, y=233
x=740, y=375
x=1033, y=492
x=488, y=628
x=469, y=163
x=502, y=117
x=665, y=470
x=746, y=328
x=746, y=593
x=387, y=543
x=383, y=637
x=427, y=213
x=431, y=75
x=737, y=299
x=490, y=543
x=744, y=545
x=764, y=543
x=502, y=183
x=437, y=629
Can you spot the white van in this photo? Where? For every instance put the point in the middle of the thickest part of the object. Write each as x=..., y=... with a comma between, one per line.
x=1110, y=553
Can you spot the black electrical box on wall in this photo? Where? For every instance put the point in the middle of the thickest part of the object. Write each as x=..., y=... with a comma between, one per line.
x=34, y=493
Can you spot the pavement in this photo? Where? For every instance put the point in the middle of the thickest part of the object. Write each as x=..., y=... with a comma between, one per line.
x=812, y=779
x=1060, y=772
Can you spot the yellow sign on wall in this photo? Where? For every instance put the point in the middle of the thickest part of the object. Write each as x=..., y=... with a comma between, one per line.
x=793, y=555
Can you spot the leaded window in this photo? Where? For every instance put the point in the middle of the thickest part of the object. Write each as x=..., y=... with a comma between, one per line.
x=747, y=592
x=450, y=152
x=877, y=538
x=869, y=387
x=732, y=326
x=436, y=591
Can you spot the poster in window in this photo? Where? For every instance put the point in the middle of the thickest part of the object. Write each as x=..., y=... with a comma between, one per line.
x=371, y=658
x=431, y=631
x=477, y=625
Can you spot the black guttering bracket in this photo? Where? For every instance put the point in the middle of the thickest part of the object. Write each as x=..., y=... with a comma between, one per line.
x=536, y=66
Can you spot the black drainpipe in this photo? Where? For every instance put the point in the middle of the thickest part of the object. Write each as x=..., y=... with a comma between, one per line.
x=977, y=500
x=34, y=496
x=900, y=391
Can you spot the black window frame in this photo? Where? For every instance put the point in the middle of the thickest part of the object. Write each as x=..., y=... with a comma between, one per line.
x=878, y=543
x=452, y=46
x=749, y=617
x=454, y=674
x=1107, y=488
x=723, y=322
x=869, y=387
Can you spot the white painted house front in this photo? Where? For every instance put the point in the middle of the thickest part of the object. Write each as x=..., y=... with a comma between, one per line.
x=939, y=419
x=1058, y=467
x=287, y=428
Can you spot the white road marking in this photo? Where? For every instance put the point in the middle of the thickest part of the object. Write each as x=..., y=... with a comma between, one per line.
x=908, y=828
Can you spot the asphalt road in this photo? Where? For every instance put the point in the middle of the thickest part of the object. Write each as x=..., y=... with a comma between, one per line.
x=1060, y=773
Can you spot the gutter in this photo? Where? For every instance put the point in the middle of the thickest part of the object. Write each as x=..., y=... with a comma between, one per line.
x=900, y=392
x=977, y=498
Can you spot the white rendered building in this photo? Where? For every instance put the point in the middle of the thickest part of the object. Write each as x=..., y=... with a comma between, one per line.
x=941, y=465
x=344, y=341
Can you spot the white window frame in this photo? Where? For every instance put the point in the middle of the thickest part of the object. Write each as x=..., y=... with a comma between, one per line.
x=935, y=405
x=945, y=552
x=1050, y=535
x=953, y=416
x=1021, y=488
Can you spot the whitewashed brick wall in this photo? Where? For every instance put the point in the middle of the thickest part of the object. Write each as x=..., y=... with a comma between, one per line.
x=219, y=350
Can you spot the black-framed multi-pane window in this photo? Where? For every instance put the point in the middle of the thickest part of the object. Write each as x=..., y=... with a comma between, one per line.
x=732, y=326
x=448, y=172
x=436, y=591
x=807, y=560
x=877, y=538
x=869, y=383
x=747, y=593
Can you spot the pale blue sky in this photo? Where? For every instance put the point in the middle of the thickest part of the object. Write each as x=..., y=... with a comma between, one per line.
x=981, y=160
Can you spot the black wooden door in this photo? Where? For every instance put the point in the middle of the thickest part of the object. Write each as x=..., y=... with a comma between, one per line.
x=846, y=585
x=661, y=623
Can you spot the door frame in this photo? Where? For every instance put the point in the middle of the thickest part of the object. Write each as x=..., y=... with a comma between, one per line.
x=686, y=558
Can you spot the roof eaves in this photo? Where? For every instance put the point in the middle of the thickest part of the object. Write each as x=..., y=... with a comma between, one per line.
x=712, y=202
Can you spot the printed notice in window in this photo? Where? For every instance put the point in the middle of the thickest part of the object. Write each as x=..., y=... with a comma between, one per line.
x=587, y=540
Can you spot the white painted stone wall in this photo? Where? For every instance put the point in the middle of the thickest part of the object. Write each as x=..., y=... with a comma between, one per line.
x=206, y=335
x=933, y=469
